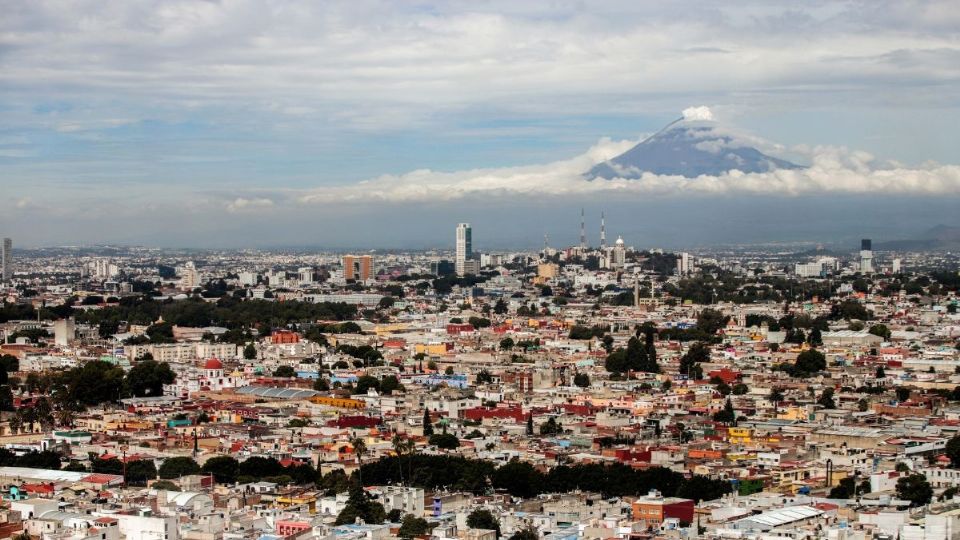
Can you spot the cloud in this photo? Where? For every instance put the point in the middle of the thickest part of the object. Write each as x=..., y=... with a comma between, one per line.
x=698, y=113
x=833, y=170
x=391, y=63
x=241, y=204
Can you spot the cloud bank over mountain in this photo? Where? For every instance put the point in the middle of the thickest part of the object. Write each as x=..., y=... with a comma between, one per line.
x=831, y=170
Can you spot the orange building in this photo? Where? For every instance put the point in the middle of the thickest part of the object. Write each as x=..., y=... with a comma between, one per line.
x=279, y=337
x=357, y=267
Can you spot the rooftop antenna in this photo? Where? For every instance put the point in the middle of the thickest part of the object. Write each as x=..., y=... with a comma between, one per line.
x=546, y=243
x=583, y=230
x=603, y=232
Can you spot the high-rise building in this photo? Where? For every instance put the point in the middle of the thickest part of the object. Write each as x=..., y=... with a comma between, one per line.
x=866, y=256
x=189, y=277
x=6, y=260
x=683, y=264
x=603, y=232
x=583, y=230
x=464, y=248
x=895, y=268
x=64, y=331
x=357, y=267
x=305, y=275
x=618, y=255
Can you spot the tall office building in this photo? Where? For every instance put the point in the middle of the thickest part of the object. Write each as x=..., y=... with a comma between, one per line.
x=189, y=277
x=464, y=248
x=683, y=264
x=866, y=256
x=64, y=331
x=6, y=260
x=357, y=267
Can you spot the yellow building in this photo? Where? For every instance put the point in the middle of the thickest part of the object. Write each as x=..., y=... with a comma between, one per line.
x=547, y=270
x=431, y=349
x=740, y=435
x=306, y=499
x=340, y=403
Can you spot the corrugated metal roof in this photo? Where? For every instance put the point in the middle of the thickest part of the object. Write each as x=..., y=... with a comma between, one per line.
x=782, y=516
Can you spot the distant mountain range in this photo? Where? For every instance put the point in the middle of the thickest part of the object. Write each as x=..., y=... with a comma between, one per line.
x=941, y=237
x=691, y=146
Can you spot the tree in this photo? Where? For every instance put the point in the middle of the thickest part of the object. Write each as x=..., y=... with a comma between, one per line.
x=728, y=415
x=698, y=352
x=479, y=322
x=176, y=467
x=506, y=343
x=389, y=384
x=903, y=393
x=809, y=362
x=250, y=352
x=881, y=373
x=581, y=380
x=826, y=399
x=484, y=377
x=953, y=451
x=361, y=506
x=148, y=377
x=880, y=330
x=412, y=526
x=848, y=489
x=914, y=488
x=481, y=518
x=529, y=424
x=223, y=468
x=776, y=395
x=427, y=424
x=365, y=383
x=360, y=450
x=284, y=371
x=444, y=441
x=740, y=389
x=92, y=383
x=140, y=471
x=815, y=338
x=165, y=485
x=527, y=533
x=551, y=427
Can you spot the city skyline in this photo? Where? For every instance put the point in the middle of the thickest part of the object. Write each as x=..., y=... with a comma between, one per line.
x=189, y=141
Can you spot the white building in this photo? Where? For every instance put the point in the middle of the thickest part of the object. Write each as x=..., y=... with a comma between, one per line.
x=464, y=250
x=189, y=277
x=64, y=331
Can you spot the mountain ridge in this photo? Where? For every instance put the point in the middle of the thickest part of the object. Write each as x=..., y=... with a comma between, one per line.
x=691, y=146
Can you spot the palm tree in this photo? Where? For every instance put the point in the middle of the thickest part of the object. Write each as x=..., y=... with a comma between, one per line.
x=16, y=422
x=410, y=448
x=398, y=447
x=359, y=448
x=65, y=417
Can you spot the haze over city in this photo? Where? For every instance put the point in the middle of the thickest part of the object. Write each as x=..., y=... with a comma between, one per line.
x=382, y=124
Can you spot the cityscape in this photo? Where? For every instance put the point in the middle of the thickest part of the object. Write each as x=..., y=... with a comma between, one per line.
x=457, y=271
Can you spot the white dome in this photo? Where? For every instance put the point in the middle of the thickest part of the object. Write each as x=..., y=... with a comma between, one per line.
x=619, y=241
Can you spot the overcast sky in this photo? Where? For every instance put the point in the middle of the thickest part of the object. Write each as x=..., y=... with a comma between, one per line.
x=383, y=124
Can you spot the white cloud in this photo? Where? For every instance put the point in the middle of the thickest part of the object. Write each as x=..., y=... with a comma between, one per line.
x=241, y=204
x=389, y=64
x=832, y=170
x=698, y=113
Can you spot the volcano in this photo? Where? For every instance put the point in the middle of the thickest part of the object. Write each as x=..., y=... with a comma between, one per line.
x=690, y=146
